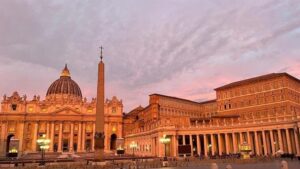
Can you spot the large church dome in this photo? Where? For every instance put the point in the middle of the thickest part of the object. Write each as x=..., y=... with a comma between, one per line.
x=64, y=86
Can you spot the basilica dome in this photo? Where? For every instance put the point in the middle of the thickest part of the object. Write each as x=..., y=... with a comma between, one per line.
x=64, y=86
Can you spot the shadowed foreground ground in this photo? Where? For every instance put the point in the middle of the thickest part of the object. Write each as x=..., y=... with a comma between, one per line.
x=179, y=164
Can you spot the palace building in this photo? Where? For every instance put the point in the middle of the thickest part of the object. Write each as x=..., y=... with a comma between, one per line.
x=65, y=117
x=262, y=113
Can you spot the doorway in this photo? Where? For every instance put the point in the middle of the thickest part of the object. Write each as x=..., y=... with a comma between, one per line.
x=8, y=142
x=65, y=145
x=113, y=140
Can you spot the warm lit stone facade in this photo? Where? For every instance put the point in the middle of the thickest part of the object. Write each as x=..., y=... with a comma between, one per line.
x=66, y=118
x=262, y=112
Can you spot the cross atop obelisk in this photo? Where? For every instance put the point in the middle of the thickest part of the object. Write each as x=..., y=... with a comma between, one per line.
x=99, y=134
x=101, y=56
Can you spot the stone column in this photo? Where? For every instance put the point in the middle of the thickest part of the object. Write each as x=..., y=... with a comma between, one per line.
x=198, y=144
x=60, y=137
x=2, y=139
x=234, y=143
x=107, y=141
x=153, y=147
x=297, y=142
x=47, y=130
x=227, y=143
x=83, y=137
x=213, y=148
x=256, y=143
x=21, y=136
x=205, y=145
x=288, y=140
x=220, y=144
x=71, y=137
x=280, y=140
x=183, y=139
x=51, y=137
x=241, y=138
x=272, y=142
x=265, y=142
x=192, y=147
x=35, y=129
x=93, y=140
x=161, y=148
x=3, y=131
x=252, y=140
x=248, y=138
x=174, y=145
x=79, y=138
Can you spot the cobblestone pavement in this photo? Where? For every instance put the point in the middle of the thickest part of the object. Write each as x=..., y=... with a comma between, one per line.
x=157, y=163
x=261, y=165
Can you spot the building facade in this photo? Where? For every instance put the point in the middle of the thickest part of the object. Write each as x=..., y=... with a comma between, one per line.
x=262, y=113
x=65, y=117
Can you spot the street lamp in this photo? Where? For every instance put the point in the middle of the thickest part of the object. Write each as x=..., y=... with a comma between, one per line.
x=43, y=142
x=165, y=140
x=210, y=149
x=133, y=145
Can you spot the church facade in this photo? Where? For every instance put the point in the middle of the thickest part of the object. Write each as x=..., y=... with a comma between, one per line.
x=262, y=113
x=65, y=117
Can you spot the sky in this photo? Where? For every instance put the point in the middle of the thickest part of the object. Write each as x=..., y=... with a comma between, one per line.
x=181, y=48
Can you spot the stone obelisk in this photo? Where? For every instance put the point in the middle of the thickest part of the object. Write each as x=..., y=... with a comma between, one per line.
x=99, y=134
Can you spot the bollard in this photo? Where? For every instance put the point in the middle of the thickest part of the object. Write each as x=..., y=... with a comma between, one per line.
x=214, y=166
x=284, y=165
x=228, y=166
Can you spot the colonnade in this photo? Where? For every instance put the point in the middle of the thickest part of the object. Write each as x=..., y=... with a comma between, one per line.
x=76, y=139
x=261, y=142
x=205, y=143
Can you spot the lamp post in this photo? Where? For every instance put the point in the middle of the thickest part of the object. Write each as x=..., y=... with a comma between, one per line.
x=133, y=145
x=210, y=150
x=165, y=140
x=43, y=142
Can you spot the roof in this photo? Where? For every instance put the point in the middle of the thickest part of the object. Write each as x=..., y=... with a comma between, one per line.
x=172, y=97
x=135, y=110
x=256, y=79
x=208, y=101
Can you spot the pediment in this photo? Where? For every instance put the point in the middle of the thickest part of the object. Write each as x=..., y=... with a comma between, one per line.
x=66, y=111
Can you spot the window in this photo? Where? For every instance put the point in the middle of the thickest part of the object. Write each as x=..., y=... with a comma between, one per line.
x=114, y=110
x=14, y=107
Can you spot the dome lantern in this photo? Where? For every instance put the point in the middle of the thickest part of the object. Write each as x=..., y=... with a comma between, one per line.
x=65, y=72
